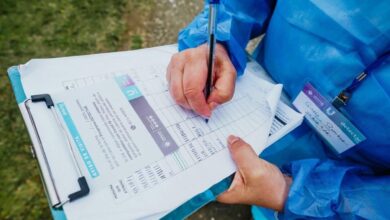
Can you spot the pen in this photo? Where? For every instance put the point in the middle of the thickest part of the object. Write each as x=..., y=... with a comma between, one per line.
x=211, y=47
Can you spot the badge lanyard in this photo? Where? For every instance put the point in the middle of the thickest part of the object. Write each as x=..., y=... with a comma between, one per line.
x=343, y=97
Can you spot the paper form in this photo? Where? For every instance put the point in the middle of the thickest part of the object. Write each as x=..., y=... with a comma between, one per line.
x=67, y=73
x=123, y=185
x=133, y=137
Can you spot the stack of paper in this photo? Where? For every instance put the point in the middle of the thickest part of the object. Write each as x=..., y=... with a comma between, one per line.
x=142, y=154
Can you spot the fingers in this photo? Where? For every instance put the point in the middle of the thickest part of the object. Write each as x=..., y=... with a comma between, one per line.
x=243, y=155
x=247, y=162
x=256, y=181
x=194, y=80
x=225, y=78
x=223, y=88
x=234, y=193
x=187, y=75
x=175, y=79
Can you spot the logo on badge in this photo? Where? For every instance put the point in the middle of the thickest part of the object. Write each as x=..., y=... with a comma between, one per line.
x=329, y=111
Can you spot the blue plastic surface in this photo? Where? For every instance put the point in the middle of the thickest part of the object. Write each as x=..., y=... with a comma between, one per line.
x=14, y=77
x=17, y=87
x=58, y=214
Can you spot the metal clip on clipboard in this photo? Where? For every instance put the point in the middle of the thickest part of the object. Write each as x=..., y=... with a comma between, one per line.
x=53, y=195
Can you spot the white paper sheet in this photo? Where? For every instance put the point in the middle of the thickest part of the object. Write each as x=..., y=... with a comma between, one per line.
x=248, y=115
x=147, y=174
x=60, y=74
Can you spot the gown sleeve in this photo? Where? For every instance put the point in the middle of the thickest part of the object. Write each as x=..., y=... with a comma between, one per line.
x=328, y=189
x=237, y=23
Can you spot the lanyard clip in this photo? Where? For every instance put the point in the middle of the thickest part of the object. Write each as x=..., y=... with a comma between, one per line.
x=341, y=99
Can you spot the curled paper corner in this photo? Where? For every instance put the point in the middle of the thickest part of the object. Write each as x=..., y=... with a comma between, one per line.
x=273, y=97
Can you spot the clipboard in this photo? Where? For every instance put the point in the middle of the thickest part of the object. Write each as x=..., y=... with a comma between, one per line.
x=181, y=212
x=57, y=212
x=45, y=168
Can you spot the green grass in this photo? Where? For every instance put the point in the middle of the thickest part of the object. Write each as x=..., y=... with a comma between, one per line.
x=33, y=29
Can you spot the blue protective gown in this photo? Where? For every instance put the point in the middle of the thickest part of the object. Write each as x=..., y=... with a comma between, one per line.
x=327, y=43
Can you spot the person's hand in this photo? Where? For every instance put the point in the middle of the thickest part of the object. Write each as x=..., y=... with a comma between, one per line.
x=256, y=181
x=187, y=75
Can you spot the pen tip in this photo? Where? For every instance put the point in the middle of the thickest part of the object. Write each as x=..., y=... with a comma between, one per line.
x=206, y=120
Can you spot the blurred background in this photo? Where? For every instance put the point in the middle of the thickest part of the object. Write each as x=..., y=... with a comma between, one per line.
x=41, y=29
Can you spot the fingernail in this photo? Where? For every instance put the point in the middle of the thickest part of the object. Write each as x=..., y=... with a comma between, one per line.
x=232, y=139
x=207, y=115
x=213, y=105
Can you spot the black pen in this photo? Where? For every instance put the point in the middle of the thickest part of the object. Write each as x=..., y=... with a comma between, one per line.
x=211, y=46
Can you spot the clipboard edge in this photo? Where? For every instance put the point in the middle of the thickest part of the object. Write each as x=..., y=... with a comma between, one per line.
x=20, y=96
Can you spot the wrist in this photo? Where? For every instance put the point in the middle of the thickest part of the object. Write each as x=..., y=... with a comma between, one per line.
x=284, y=193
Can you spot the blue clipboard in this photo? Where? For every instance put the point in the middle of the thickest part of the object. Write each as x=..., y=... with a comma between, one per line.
x=181, y=212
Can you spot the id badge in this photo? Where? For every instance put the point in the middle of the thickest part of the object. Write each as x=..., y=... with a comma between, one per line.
x=334, y=128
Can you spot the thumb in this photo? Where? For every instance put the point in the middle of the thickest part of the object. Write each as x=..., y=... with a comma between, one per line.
x=243, y=155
